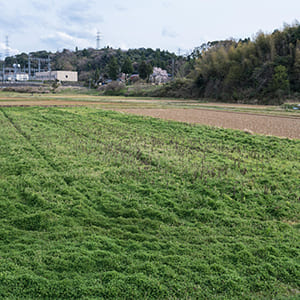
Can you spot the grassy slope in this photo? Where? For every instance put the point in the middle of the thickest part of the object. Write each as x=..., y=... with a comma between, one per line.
x=101, y=204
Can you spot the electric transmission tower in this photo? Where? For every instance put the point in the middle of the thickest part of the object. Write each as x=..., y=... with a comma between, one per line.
x=98, y=39
x=6, y=47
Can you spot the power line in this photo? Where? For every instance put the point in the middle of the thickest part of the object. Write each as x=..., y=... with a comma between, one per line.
x=45, y=61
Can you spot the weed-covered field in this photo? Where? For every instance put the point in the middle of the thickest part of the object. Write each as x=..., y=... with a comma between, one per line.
x=97, y=204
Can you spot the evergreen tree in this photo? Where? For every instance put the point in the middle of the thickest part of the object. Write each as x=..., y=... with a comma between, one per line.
x=113, y=68
x=127, y=67
x=145, y=70
x=149, y=71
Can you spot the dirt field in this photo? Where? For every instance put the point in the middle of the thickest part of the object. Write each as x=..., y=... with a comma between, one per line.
x=261, y=124
x=258, y=122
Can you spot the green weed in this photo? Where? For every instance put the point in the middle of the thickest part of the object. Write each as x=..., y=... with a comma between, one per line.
x=98, y=204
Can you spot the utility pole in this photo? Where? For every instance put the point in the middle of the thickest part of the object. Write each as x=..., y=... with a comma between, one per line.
x=29, y=67
x=173, y=68
x=49, y=63
x=49, y=67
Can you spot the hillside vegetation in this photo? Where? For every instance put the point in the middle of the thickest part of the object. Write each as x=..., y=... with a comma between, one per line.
x=94, y=65
x=263, y=70
x=97, y=204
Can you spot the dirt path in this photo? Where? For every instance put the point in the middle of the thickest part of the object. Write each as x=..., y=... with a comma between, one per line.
x=261, y=124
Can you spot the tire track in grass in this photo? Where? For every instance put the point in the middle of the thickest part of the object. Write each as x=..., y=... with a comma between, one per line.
x=24, y=206
x=26, y=137
x=143, y=158
x=105, y=218
x=109, y=212
x=46, y=159
x=138, y=154
x=42, y=155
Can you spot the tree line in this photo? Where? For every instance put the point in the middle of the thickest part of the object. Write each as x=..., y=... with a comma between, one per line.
x=264, y=69
x=107, y=63
x=268, y=67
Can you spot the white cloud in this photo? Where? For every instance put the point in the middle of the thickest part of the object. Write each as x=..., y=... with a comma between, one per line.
x=80, y=13
x=167, y=4
x=167, y=24
x=167, y=32
x=60, y=40
x=120, y=7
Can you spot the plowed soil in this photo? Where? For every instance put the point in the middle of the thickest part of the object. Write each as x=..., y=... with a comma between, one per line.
x=261, y=124
x=282, y=126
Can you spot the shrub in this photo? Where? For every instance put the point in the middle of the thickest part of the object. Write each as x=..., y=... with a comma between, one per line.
x=27, y=89
x=113, y=88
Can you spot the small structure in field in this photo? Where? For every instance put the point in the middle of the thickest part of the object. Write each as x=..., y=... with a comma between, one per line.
x=57, y=75
x=21, y=77
x=134, y=78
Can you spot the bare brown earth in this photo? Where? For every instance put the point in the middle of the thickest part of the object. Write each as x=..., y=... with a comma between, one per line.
x=258, y=122
x=261, y=124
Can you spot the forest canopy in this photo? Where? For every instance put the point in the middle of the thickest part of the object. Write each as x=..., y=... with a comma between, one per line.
x=268, y=66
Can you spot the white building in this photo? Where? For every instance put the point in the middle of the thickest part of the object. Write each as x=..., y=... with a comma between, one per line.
x=57, y=75
x=22, y=77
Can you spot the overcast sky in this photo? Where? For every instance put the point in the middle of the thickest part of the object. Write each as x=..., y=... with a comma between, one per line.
x=52, y=25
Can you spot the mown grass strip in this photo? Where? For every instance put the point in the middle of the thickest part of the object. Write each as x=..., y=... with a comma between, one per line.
x=102, y=204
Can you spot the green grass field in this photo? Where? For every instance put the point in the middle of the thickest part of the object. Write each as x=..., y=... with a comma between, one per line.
x=97, y=204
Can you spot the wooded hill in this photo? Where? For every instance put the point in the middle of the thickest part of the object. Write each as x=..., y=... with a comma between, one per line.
x=92, y=64
x=265, y=69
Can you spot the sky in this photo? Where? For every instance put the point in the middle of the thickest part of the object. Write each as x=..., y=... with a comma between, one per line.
x=175, y=25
